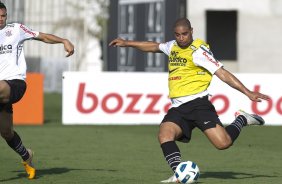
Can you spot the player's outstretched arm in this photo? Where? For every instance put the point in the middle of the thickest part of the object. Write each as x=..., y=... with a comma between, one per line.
x=52, y=39
x=145, y=46
x=234, y=82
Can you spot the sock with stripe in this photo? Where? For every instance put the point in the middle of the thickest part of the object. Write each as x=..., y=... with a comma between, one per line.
x=234, y=129
x=16, y=144
x=172, y=154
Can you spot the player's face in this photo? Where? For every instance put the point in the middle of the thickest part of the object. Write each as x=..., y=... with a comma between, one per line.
x=183, y=36
x=3, y=18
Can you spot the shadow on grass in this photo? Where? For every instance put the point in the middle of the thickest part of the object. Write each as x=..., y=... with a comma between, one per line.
x=51, y=171
x=233, y=175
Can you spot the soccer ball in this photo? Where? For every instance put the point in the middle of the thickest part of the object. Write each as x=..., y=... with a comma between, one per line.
x=187, y=172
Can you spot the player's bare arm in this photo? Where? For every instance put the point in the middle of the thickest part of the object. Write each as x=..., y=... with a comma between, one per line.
x=145, y=46
x=52, y=39
x=235, y=83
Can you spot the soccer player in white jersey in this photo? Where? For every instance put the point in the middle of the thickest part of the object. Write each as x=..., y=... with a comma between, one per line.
x=12, y=78
x=191, y=67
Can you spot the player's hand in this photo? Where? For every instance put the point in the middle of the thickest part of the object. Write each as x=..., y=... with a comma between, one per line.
x=69, y=48
x=257, y=97
x=118, y=42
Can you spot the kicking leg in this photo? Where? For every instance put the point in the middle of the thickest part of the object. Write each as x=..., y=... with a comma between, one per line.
x=219, y=137
x=223, y=138
x=242, y=119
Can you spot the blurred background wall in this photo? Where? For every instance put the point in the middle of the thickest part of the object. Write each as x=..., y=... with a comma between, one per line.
x=244, y=34
x=141, y=20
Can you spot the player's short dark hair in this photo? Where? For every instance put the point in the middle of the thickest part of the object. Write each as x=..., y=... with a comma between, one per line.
x=182, y=22
x=2, y=6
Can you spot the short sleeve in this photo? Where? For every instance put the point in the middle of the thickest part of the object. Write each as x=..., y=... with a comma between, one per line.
x=27, y=33
x=166, y=47
x=204, y=57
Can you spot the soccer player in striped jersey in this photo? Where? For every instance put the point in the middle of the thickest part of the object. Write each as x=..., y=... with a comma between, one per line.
x=191, y=67
x=12, y=78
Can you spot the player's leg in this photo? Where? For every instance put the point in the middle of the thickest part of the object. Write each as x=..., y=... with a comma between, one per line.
x=13, y=90
x=169, y=132
x=172, y=128
x=218, y=137
x=15, y=142
x=242, y=119
x=5, y=91
x=11, y=137
x=206, y=119
x=6, y=117
x=223, y=138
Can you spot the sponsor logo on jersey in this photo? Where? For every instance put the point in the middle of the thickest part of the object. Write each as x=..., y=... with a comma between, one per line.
x=170, y=71
x=174, y=78
x=27, y=30
x=201, y=73
x=4, y=49
x=209, y=56
x=175, y=60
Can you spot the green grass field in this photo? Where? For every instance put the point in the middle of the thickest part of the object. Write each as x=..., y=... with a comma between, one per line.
x=131, y=154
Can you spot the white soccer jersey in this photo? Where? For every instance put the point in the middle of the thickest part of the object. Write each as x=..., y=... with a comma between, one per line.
x=12, y=61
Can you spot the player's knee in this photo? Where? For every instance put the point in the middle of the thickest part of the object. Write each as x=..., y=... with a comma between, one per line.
x=168, y=132
x=165, y=136
x=224, y=144
x=4, y=92
x=4, y=98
